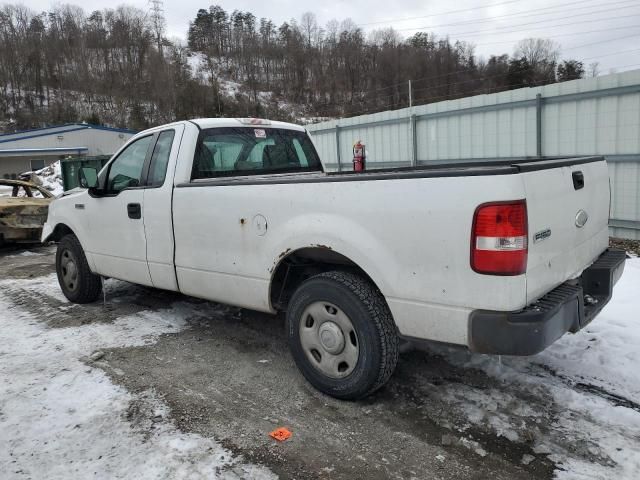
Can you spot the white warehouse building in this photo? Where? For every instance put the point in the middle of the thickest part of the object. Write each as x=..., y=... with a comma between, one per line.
x=34, y=149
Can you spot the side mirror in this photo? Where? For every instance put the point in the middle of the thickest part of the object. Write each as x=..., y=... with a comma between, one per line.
x=88, y=177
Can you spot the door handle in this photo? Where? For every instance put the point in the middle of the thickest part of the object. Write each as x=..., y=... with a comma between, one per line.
x=134, y=211
x=578, y=180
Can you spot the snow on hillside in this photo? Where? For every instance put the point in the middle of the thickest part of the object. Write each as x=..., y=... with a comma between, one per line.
x=236, y=90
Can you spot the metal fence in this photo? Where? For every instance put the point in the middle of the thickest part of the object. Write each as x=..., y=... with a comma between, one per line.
x=596, y=116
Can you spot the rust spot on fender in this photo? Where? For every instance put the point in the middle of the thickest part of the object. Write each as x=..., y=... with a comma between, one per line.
x=280, y=257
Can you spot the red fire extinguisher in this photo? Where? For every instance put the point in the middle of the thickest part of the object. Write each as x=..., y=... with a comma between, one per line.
x=359, y=157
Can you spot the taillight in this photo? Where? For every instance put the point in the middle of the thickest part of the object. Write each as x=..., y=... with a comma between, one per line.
x=499, y=238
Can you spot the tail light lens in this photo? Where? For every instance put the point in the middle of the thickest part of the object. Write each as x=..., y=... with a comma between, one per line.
x=499, y=238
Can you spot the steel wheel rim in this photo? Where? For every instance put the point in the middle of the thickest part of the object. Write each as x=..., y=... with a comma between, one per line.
x=69, y=269
x=329, y=339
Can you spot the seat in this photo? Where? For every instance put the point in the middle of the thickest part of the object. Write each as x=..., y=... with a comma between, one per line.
x=278, y=156
x=204, y=164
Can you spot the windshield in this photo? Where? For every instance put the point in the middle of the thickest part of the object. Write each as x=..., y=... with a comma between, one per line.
x=250, y=151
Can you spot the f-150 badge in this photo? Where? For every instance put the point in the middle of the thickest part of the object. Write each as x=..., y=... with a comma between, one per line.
x=541, y=235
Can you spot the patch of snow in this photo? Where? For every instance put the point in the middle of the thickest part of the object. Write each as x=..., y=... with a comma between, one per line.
x=27, y=253
x=196, y=61
x=229, y=87
x=50, y=177
x=592, y=382
x=61, y=418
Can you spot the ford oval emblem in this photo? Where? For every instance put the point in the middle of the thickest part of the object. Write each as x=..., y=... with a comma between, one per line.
x=581, y=218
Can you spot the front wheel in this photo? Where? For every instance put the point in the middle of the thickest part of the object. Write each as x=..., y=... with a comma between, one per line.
x=77, y=282
x=342, y=335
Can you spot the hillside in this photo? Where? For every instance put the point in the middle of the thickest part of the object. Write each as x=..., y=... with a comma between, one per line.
x=116, y=67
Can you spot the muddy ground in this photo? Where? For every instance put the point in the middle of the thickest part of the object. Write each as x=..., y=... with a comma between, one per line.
x=229, y=376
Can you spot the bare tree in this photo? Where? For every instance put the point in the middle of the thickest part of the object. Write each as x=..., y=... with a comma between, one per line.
x=385, y=36
x=538, y=50
x=541, y=57
x=309, y=27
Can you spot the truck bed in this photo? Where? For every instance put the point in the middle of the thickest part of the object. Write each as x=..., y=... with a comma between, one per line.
x=455, y=169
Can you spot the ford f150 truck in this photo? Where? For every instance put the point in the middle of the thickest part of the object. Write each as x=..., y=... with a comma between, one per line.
x=502, y=257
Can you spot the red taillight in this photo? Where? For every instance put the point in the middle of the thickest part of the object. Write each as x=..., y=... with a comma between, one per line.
x=499, y=238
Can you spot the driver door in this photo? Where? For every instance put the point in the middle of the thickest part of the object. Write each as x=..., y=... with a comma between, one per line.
x=117, y=240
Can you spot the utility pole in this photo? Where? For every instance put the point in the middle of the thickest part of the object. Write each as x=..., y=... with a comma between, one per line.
x=157, y=21
x=410, y=95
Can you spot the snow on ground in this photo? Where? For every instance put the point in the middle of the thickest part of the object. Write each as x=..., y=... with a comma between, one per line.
x=592, y=381
x=61, y=418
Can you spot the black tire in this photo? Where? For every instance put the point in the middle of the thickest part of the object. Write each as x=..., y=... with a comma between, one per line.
x=84, y=287
x=372, y=322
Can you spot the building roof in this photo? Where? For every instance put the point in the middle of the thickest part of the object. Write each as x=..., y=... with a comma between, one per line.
x=42, y=151
x=58, y=129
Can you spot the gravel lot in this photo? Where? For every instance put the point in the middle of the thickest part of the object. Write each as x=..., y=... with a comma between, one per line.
x=199, y=381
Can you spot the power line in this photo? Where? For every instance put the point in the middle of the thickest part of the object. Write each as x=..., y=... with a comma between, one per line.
x=466, y=70
x=502, y=32
x=624, y=66
x=472, y=69
x=443, y=13
x=600, y=42
x=568, y=34
x=486, y=77
x=615, y=53
x=608, y=9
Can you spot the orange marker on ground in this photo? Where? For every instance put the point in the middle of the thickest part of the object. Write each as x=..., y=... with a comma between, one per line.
x=281, y=434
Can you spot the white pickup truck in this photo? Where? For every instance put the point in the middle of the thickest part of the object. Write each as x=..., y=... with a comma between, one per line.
x=502, y=257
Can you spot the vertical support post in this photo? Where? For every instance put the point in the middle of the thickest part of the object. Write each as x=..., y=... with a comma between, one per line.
x=410, y=95
x=414, y=140
x=539, y=125
x=338, y=148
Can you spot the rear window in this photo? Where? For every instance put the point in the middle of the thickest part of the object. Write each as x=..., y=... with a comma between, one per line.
x=251, y=151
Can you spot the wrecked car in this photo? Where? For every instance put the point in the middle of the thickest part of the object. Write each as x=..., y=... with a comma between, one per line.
x=23, y=211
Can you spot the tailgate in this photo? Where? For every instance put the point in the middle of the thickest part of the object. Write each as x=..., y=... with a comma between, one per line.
x=568, y=215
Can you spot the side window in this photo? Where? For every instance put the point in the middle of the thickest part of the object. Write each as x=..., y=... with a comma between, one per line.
x=160, y=158
x=126, y=170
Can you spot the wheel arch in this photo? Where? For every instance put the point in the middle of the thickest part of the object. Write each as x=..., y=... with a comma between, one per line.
x=297, y=265
x=59, y=231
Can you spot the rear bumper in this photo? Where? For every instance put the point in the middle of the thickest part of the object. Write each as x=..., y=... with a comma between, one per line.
x=567, y=308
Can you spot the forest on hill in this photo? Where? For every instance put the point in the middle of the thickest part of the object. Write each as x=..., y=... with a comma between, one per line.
x=117, y=67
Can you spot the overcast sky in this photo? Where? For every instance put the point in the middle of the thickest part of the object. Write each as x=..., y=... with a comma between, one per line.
x=604, y=31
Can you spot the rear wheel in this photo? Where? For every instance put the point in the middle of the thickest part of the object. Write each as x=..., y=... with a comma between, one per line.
x=342, y=335
x=77, y=282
